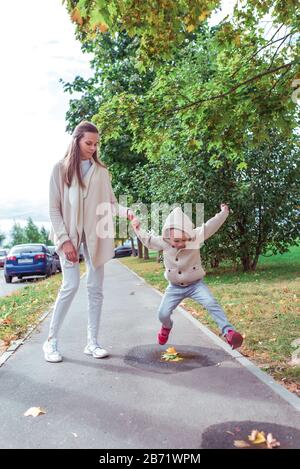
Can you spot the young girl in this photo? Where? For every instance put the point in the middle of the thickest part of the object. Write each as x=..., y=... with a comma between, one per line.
x=180, y=244
x=79, y=188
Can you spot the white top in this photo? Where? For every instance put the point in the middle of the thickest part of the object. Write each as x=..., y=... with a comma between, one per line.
x=85, y=166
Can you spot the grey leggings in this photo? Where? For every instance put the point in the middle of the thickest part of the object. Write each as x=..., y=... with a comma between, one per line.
x=69, y=287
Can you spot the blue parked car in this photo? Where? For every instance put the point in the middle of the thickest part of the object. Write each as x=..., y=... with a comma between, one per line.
x=24, y=260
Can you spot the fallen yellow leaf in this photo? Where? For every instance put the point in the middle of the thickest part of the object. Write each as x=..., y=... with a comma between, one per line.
x=241, y=444
x=257, y=437
x=171, y=355
x=171, y=350
x=34, y=411
x=272, y=442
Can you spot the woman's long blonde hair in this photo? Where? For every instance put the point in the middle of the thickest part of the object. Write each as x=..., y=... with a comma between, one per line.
x=72, y=158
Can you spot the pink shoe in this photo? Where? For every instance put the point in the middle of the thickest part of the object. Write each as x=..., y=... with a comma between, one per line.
x=163, y=335
x=234, y=338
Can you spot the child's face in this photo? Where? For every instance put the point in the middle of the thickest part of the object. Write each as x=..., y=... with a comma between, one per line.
x=178, y=238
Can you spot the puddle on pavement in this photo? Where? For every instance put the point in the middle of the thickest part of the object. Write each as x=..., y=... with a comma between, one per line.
x=148, y=358
x=218, y=436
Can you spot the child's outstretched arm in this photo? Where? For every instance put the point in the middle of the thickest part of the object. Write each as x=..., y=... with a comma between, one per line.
x=213, y=224
x=151, y=242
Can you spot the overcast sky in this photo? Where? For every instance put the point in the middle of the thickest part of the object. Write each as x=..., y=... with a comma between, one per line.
x=38, y=48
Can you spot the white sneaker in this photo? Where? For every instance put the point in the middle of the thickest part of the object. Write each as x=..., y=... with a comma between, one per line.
x=50, y=351
x=96, y=351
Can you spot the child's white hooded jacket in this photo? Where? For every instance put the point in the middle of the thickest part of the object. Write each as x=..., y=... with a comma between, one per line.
x=182, y=266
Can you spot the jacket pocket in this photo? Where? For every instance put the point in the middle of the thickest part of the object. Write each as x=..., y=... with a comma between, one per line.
x=196, y=272
x=171, y=274
x=68, y=264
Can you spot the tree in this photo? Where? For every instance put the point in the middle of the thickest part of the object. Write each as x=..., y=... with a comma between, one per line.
x=29, y=234
x=160, y=26
x=44, y=236
x=17, y=234
x=267, y=201
x=198, y=117
x=205, y=99
x=264, y=198
x=32, y=233
x=2, y=237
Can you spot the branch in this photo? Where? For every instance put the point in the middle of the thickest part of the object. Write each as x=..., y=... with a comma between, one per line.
x=276, y=51
x=234, y=88
x=277, y=81
x=269, y=43
x=162, y=111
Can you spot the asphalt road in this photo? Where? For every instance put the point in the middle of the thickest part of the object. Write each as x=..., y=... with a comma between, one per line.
x=7, y=288
x=132, y=399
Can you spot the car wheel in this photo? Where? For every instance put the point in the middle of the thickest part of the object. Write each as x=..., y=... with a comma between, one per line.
x=8, y=278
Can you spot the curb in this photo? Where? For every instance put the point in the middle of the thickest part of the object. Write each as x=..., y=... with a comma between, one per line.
x=15, y=344
x=251, y=367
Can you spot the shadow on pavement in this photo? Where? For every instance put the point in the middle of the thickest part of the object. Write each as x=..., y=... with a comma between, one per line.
x=222, y=436
x=148, y=358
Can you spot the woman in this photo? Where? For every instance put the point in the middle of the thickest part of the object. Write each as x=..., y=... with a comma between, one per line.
x=81, y=208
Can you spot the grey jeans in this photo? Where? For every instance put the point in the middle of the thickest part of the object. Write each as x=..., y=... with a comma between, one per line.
x=69, y=287
x=199, y=292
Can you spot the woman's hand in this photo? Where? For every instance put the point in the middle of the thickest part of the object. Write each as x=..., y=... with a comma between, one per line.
x=70, y=251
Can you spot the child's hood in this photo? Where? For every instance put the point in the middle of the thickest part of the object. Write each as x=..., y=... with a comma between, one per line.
x=177, y=219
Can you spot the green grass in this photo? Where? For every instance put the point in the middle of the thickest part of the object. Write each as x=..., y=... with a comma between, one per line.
x=23, y=308
x=263, y=305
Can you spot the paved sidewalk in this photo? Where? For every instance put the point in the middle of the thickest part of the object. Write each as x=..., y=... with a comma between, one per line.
x=131, y=399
